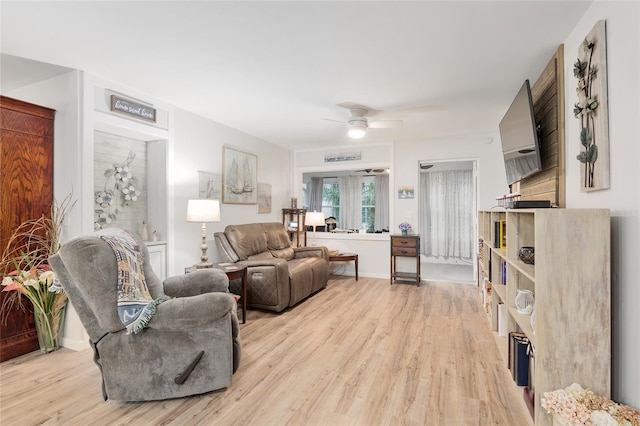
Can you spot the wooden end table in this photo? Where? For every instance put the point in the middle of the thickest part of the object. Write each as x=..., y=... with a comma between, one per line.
x=233, y=272
x=345, y=257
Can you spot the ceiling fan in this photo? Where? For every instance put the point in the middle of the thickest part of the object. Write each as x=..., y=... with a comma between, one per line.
x=364, y=117
x=372, y=170
x=358, y=123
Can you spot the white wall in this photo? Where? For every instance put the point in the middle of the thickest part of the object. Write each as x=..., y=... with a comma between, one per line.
x=485, y=148
x=623, y=198
x=199, y=143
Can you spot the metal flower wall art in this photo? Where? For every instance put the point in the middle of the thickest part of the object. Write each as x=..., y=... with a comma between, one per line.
x=120, y=186
x=591, y=110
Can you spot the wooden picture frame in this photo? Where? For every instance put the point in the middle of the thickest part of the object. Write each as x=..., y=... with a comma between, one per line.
x=239, y=177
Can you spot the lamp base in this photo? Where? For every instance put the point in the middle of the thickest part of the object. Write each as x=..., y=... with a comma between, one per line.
x=204, y=265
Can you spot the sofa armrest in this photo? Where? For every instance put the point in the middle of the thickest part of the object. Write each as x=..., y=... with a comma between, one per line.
x=197, y=282
x=314, y=251
x=183, y=313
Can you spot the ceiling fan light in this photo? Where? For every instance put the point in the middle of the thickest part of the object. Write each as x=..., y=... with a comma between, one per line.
x=356, y=133
x=357, y=129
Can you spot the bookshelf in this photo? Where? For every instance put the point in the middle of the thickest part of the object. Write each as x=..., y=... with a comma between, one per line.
x=571, y=284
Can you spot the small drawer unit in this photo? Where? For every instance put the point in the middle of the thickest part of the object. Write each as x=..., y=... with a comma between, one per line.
x=405, y=246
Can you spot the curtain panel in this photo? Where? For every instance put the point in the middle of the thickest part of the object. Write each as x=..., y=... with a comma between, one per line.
x=381, y=216
x=446, y=214
x=314, y=192
x=350, y=216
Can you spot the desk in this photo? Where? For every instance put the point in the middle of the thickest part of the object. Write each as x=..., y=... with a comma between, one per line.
x=233, y=272
x=345, y=257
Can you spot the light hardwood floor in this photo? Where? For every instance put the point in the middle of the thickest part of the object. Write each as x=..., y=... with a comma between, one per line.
x=356, y=353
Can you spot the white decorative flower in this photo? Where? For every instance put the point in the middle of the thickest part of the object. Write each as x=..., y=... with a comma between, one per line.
x=602, y=418
x=48, y=277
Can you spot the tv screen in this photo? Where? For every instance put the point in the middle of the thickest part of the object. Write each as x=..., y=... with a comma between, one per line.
x=519, y=136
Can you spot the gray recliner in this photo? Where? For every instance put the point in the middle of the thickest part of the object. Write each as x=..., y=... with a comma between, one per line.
x=191, y=345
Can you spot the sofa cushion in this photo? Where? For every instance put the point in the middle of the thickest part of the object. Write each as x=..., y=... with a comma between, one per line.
x=261, y=256
x=247, y=240
x=277, y=237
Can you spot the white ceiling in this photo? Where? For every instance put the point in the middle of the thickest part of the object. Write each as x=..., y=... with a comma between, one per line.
x=276, y=70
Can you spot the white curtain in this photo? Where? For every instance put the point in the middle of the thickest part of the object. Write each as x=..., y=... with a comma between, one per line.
x=314, y=192
x=446, y=214
x=350, y=216
x=381, y=217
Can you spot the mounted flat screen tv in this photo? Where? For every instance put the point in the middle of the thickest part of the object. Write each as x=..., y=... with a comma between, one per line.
x=519, y=136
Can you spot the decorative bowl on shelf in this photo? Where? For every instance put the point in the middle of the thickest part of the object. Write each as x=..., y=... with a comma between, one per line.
x=527, y=255
x=524, y=302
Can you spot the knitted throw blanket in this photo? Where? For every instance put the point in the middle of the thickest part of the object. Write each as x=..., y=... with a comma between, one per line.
x=136, y=307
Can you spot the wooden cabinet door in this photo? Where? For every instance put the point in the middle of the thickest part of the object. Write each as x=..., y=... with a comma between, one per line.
x=26, y=192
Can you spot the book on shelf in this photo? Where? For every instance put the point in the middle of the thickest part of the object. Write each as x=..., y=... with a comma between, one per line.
x=502, y=320
x=503, y=233
x=520, y=366
x=511, y=352
x=496, y=234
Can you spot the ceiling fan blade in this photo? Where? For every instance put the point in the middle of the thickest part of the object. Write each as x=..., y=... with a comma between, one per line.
x=335, y=121
x=353, y=105
x=385, y=124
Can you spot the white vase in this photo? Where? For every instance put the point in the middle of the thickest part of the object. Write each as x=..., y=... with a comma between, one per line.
x=144, y=234
x=524, y=302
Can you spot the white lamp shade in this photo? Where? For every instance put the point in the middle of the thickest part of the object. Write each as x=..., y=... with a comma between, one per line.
x=314, y=219
x=203, y=211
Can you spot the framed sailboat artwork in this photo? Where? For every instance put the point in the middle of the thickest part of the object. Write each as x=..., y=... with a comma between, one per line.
x=239, y=177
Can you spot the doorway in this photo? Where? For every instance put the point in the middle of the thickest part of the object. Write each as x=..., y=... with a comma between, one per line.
x=447, y=206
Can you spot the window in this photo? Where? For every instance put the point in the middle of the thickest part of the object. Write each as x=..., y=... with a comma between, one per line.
x=368, y=202
x=331, y=199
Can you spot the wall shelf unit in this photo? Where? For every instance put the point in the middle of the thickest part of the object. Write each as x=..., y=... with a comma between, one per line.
x=571, y=284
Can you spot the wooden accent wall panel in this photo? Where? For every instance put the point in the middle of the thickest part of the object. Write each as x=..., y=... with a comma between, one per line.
x=548, y=105
x=26, y=192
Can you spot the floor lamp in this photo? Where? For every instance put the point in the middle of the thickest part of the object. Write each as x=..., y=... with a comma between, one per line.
x=314, y=219
x=203, y=211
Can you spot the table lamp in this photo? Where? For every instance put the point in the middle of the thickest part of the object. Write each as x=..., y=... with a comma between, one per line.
x=203, y=211
x=314, y=219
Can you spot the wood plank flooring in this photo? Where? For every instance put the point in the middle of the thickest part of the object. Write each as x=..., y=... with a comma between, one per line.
x=356, y=353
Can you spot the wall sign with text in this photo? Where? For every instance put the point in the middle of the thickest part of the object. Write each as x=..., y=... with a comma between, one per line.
x=135, y=109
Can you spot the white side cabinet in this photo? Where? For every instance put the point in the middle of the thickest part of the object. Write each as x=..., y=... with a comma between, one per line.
x=158, y=258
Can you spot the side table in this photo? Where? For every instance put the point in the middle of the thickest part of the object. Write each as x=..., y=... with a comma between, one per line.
x=405, y=246
x=233, y=272
x=345, y=257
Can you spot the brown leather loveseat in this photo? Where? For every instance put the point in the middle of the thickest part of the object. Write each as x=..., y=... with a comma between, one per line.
x=278, y=274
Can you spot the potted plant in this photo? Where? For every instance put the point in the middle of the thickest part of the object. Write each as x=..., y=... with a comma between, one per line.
x=404, y=227
x=26, y=256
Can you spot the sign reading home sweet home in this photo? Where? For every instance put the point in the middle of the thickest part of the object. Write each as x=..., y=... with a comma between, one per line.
x=133, y=108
